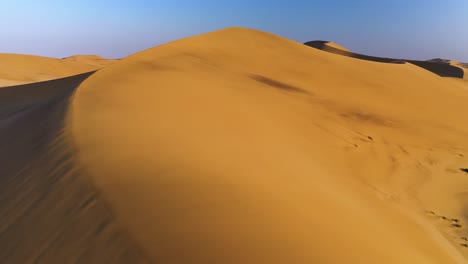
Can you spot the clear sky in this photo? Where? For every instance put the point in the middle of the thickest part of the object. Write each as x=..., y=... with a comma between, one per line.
x=414, y=29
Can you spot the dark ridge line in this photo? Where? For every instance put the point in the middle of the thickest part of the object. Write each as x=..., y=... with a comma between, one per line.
x=441, y=69
x=50, y=80
x=277, y=84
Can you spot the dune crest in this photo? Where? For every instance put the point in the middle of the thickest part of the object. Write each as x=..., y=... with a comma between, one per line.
x=436, y=66
x=461, y=65
x=239, y=146
x=328, y=46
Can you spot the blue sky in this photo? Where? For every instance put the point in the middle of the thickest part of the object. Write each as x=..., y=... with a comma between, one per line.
x=416, y=29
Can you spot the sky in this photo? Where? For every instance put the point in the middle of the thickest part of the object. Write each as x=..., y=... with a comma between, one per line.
x=411, y=29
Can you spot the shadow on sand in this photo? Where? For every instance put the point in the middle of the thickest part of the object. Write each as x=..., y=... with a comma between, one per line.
x=441, y=69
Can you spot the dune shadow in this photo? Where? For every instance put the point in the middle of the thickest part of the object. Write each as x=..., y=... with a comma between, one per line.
x=277, y=84
x=367, y=118
x=51, y=212
x=319, y=44
x=441, y=69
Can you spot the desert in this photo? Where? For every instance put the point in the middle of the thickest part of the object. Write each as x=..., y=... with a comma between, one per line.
x=233, y=146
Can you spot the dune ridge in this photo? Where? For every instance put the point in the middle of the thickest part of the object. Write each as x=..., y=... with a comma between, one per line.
x=51, y=212
x=441, y=69
x=235, y=146
x=239, y=146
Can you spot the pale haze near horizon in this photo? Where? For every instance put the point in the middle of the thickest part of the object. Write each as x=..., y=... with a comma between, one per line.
x=401, y=29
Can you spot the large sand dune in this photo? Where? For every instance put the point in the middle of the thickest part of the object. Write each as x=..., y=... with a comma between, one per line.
x=239, y=146
x=19, y=69
x=236, y=146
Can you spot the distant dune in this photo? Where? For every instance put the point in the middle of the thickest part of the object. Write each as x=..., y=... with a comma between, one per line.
x=328, y=46
x=461, y=65
x=92, y=60
x=239, y=146
x=435, y=66
x=19, y=69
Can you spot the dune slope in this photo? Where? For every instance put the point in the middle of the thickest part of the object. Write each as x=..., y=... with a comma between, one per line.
x=239, y=146
x=51, y=213
x=19, y=69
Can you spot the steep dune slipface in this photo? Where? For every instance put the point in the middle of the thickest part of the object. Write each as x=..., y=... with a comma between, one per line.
x=51, y=213
x=19, y=69
x=461, y=65
x=243, y=147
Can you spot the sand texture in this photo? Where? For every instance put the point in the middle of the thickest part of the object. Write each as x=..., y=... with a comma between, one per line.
x=51, y=212
x=235, y=146
x=239, y=146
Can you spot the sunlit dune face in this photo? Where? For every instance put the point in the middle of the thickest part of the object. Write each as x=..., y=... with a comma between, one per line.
x=243, y=147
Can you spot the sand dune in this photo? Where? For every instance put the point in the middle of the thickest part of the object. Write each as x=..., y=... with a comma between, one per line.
x=51, y=213
x=235, y=146
x=239, y=146
x=19, y=69
x=92, y=60
x=461, y=65
x=328, y=46
x=435, y=66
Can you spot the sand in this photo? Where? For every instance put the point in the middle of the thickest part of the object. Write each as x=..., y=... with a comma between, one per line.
x=239, y=146
x=236, y=146
x=92, y=60
x=20, y=69
x=334, y=45
x=463, y=66
x=441, y=67
x=51, y=212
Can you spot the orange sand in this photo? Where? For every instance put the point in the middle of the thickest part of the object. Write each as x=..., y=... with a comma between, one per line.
x=239, y=146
